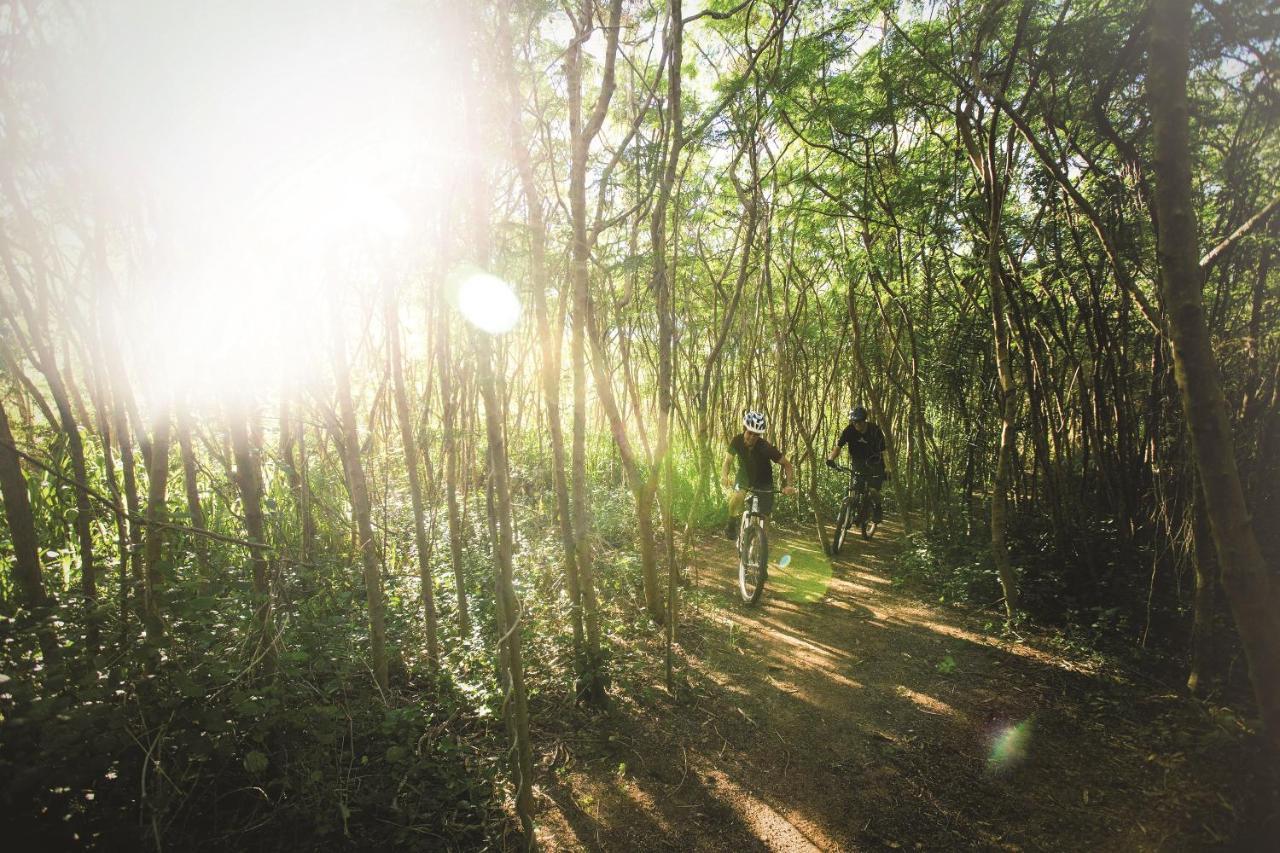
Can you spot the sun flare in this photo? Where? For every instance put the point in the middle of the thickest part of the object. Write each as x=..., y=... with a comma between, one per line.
x=488, y=303
x=290, y=157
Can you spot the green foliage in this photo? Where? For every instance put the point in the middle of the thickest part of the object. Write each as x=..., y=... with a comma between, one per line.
x=203, y=744
x=951, y=568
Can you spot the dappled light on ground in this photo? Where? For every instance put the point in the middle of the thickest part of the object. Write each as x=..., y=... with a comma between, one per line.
x=766, y=821
x=802, y=573
x=843, y=714
x=926, y=703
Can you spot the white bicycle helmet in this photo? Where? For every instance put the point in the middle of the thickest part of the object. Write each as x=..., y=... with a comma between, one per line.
x=755, y=422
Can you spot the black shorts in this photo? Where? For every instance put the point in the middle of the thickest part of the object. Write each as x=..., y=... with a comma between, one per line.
x=765, y=498
x=872, y=472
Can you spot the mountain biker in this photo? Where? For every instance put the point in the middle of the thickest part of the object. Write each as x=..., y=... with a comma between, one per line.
x=866, y=446
x=756, y=458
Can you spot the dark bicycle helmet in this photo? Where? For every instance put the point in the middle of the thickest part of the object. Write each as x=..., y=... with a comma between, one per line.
x=857, y=413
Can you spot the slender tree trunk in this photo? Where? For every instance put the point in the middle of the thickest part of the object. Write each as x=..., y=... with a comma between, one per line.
x=581, y=134
x=410, y=446
x=102, y=408
x=1202, y=603
x=1244, y=574
x=26, y=547
x=522, y=767
x=550, y=342
x=133, y=505
x=358, y=488
x=986, y=164
x=304, y=494
x=663, y=294
x=291, y=442
x=1000, y=484
x=249, y=481
x=448, y=408
x=194, y=510
x=153, y=589
x=44, y=356
x=80, y=471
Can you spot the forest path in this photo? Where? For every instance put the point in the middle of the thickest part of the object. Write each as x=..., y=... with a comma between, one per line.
x=844, y=714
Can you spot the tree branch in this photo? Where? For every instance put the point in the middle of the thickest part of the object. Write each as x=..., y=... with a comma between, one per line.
x=1207, y=262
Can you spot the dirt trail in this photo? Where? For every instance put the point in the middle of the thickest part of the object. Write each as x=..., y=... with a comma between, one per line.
x=842, y=714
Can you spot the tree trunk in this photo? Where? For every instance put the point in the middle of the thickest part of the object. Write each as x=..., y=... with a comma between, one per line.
x=358, y=488
x=1244, y=575
x=1202, y=603
x=44, y=356
x=410, y=446
x=292, y=438
x=581, y=135
x=249, y=481
x=550, y=347
x=26, y=547
x=194, y=509
x=509, y=609
x=448, y=408
x=133, y=506
x=157, y=515
x=84, y=511
x=1008, y=410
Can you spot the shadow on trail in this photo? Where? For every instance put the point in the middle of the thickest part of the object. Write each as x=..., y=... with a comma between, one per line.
x=841, y=714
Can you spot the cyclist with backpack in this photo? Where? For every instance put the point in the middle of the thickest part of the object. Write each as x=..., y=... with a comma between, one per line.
x=755, y=458
x=866, y=446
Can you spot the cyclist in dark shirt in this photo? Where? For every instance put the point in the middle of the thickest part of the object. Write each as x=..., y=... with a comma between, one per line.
x=866, y=446
x=755, y=460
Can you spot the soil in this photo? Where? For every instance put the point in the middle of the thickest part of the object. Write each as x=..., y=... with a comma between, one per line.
x=844, y=713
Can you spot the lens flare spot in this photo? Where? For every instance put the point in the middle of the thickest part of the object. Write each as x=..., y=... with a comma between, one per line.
x=1009, y=747
x=488, y=303
x=784, y=561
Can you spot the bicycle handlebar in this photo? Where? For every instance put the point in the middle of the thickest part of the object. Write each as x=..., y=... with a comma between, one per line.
x=833, y=465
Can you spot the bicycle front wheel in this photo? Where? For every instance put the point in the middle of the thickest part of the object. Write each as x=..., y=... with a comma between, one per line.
x=842, y=526
x=753, y=563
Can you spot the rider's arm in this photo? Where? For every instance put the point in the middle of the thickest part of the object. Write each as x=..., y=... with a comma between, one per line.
x=841, y=442
x=788, y=474
x=724, y=472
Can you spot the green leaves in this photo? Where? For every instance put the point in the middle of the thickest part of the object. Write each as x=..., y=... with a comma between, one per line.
x=256, y=763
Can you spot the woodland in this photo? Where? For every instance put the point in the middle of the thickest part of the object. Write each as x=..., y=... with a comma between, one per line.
x=367, y=370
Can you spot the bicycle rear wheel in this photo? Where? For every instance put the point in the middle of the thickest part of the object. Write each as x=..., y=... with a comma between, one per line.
x=753, y=563
x=864, y=517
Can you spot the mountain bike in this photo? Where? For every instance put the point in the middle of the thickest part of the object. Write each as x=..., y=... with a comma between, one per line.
x=753, y=548
x=856, y=511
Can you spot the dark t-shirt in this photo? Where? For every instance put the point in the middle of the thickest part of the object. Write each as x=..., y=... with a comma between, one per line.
x=863, y=446
x=755, y=463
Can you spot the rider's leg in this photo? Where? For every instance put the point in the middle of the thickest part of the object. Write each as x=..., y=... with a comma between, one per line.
x=736, y=500
x=877, y=506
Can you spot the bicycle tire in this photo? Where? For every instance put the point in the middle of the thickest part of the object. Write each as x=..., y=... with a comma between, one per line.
x=842, y=524
x=755, y=550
